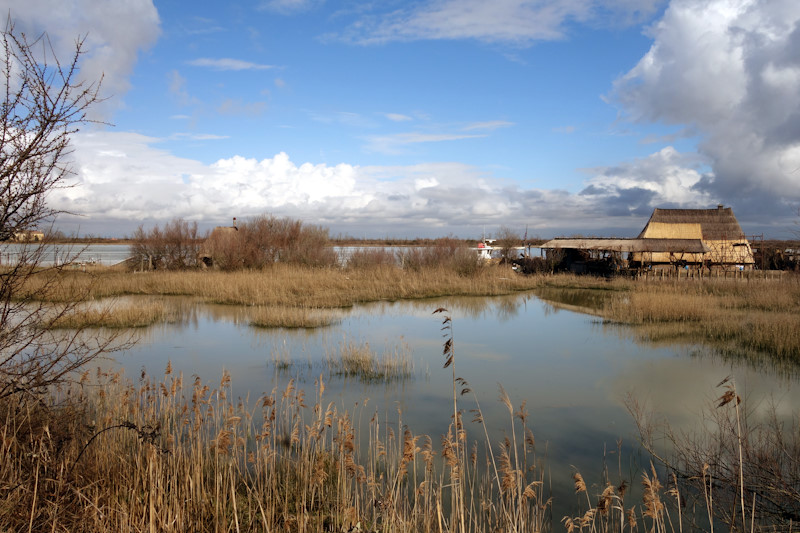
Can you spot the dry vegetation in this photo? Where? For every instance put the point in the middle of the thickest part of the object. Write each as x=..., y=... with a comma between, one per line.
x=284, y=295
x=357, y=359
x=115, y=316
x=169, y=456
x=749, y=317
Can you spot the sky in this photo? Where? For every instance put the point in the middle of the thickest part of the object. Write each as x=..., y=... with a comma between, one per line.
x=406, y=118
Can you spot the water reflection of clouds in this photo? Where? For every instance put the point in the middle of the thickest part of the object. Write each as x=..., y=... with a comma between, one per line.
x=785, y=370
x=680, y=394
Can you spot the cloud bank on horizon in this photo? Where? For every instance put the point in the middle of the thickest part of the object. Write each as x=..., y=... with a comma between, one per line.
x=435, y=117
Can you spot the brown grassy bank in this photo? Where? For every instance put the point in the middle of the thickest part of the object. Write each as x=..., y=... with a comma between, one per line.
x=756, y=317
x=286, y=295
x=748, y=316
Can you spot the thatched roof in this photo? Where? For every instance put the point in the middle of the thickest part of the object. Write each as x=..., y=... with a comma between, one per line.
x=630, y=245
x=712, y=224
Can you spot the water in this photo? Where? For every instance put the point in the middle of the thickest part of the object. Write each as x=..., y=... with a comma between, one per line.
x=111, y=254
x=573, y=372
x=101, y=254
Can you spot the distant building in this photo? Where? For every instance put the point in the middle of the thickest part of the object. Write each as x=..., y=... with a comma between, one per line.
x=717, y=229
x=29, y=236
x=220, y=241
x=672, y=238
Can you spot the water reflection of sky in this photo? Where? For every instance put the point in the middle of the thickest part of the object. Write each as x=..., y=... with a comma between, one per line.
x=573, y=372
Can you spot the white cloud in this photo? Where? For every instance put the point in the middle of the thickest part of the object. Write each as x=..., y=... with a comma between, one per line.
x=177, y=87
x=393, y=144
x=520, y=22
x=346, y=118
x=666, y=178
x=126, y=177
x=729, y=69
x=288, y=7
x=115, y=33
x=235, y=106
x=489, y=125
x=227, y=63
x=397, y=117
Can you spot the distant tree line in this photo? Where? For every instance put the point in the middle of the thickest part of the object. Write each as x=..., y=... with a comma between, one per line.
x=255, y=243
x=267, y=240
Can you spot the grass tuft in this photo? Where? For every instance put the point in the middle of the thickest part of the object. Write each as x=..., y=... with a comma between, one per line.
x=354, y=359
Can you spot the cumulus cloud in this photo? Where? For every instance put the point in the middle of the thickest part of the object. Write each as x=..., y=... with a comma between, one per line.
x=730, y=70
x=115, y=32
x=664, y=179
x=131, y=178
x=520, y=22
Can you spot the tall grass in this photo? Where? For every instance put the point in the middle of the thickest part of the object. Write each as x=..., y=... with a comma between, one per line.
x=115, y=316
x=355, y=359
x=164, y=455
x=757, y=316
x=290, y=317
x=294, y=286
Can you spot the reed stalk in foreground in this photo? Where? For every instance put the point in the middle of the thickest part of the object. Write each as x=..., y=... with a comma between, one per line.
x=169, y=455
x=166, y=455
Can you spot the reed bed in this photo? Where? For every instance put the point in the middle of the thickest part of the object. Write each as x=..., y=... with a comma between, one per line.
x=753, y=316
x=292, y=285
x=291, y=317
x=357, y=359
x=116, y=316
x=165, y=455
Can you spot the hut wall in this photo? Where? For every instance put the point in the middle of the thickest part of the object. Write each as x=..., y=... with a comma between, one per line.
x=667, y=257
x=730, y=252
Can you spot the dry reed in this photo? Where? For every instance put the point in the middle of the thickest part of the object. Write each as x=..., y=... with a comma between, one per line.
x=294, y=286
x=354, y=359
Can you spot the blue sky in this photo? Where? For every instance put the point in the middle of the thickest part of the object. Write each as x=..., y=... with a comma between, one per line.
x=433, y=117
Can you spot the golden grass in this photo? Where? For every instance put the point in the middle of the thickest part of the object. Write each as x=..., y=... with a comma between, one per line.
x=165, y=455
x=354, y=359
x=293, y=286
x=291, y=317
x=751, y=316
x=115, y=316
x=172, y=456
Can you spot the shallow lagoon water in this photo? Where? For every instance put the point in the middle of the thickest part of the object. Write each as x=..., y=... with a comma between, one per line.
x=572, y=371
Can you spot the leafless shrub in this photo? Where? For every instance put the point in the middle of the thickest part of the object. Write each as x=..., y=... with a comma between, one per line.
x=507, y=240
x=43, y=106
x=371, y=257
x=176, y=247
x=444, y=253
x=266, y=240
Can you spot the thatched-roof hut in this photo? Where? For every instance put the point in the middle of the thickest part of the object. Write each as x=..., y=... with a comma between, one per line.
x=717, y=228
